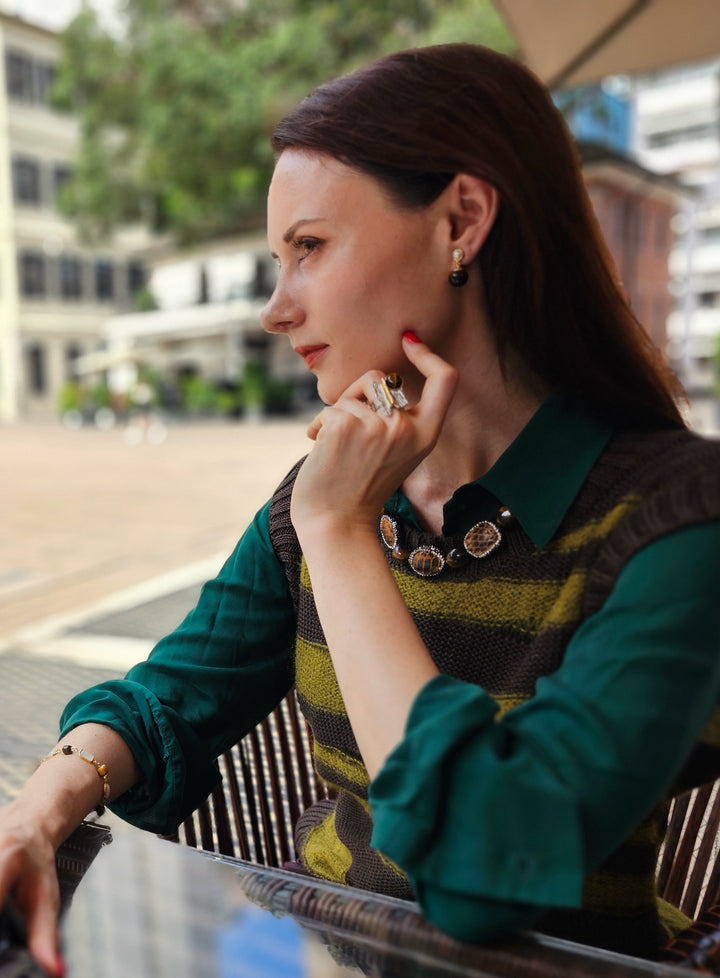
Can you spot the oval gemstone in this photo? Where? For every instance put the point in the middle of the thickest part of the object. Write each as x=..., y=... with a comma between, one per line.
x=388, y=531
x=426, y=561
x=482, y=539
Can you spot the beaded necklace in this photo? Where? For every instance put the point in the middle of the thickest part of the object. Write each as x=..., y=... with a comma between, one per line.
x=428, y=560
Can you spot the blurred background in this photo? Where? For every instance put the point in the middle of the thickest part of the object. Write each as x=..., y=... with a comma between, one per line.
x=134, y=163
x=144, y=415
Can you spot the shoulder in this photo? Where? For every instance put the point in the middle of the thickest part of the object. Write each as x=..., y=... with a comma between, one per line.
x=672, y=479
x=282, y=533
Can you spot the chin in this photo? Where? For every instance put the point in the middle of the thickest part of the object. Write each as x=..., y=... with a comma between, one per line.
x=328, y=393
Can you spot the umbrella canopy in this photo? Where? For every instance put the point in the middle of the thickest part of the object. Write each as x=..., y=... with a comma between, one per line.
x=570, y=42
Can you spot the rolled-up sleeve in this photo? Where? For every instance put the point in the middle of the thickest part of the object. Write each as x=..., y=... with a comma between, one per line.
x=495, y=818
x=225, y=667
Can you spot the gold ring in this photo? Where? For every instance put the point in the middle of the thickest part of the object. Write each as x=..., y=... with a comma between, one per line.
x=388, y=395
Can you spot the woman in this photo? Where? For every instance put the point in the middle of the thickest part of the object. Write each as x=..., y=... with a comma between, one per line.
x=482, y=597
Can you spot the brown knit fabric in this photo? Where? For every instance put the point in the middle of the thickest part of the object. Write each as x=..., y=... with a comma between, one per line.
x=502, y=623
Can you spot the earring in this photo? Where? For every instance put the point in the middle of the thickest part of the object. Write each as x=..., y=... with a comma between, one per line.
x=458, y=276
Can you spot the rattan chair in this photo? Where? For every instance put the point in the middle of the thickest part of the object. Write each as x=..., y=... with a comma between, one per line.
x=269, y=779
x=688, y=871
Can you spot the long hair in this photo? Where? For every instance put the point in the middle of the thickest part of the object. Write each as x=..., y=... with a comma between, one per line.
x=416, y=118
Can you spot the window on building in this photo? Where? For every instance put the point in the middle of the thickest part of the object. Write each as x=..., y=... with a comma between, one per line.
x=135, y=277
x=26, y=180
x=659, y=140
x=637, y=224
x=72, y=353
x=70, y=277
x=62, y=172
x=32, y=273
x=661, y=233
x=19, y=75
x=265, y=278
x=37, y=368
x=104, y=280
x=708, y=300
x=44, y=80
x=619, y=219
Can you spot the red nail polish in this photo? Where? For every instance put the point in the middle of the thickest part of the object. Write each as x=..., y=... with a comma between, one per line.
x=410, y=336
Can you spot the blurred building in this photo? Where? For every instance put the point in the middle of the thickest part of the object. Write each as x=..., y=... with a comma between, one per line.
x=635, y=209
x=677, y=132
x=635, y=206
x=206, y=324
x=54, y=292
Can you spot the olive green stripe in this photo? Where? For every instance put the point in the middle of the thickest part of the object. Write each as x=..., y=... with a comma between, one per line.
x=324, y=854
x=315, y=677
x=594, y=528
x=710, y=733
x=337, y=760
x=618, y=893
x=532, y=604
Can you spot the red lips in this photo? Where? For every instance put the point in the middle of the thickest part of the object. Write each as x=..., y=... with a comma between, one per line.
x=311, y=354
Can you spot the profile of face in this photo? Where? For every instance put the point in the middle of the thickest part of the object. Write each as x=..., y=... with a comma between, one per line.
x=355, y=270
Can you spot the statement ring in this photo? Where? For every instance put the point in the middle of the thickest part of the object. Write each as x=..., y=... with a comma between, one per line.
x=388, y=395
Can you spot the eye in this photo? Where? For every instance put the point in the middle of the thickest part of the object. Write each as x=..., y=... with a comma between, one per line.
x=305, y=247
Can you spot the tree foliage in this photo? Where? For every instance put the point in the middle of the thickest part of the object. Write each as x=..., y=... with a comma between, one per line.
x=175, y=114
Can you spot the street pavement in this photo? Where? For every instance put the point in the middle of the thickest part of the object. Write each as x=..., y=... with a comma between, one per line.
x=104, y=546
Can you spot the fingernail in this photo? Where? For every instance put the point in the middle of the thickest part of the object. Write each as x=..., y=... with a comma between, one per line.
x=410, y=336
x=60, y=967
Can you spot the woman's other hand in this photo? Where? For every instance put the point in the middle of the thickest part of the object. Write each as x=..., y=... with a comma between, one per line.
x=27, y=872
x=360, y=456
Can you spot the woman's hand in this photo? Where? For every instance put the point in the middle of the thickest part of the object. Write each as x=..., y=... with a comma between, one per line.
x=361, y=457
x=27, y=872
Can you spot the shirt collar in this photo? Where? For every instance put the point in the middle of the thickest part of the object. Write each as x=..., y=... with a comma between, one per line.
x=537, y=477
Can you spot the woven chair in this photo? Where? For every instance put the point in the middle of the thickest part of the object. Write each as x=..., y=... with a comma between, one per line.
x=688, y=870
x=269, y=780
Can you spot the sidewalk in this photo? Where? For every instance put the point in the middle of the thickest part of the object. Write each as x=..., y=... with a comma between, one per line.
x=63, y=656
x=103, y=550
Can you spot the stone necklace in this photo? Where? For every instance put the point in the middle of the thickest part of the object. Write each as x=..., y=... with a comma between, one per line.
x=428, y=560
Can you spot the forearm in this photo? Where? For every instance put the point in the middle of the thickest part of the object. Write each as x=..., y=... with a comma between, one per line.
x=65, y=788
x=379, y=658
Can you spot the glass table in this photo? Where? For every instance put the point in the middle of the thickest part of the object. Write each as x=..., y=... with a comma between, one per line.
x=139, y=907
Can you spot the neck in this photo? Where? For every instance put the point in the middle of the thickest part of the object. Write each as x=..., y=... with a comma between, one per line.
x=487, y=413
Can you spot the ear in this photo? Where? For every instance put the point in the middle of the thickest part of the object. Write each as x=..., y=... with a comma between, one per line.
x=473, y=206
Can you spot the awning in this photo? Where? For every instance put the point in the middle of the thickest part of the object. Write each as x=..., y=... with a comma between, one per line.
x=569, y=42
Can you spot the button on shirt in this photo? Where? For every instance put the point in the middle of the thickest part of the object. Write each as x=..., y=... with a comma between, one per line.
x=487, y=839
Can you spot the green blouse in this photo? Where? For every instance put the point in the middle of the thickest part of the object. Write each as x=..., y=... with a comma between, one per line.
x=647, y=664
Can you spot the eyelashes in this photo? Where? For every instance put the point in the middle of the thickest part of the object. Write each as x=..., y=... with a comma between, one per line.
x=305, y=247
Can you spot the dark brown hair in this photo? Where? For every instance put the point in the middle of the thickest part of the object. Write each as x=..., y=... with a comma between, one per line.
x=416, y=118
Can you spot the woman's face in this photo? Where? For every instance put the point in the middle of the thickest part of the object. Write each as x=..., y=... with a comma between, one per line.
x=355, y=271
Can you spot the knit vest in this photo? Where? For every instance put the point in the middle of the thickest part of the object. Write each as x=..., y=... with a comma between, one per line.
x=520, y=606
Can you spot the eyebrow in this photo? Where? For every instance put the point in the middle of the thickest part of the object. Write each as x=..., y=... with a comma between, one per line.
x=293, y=229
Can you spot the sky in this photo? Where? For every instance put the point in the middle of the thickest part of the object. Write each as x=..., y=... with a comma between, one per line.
x=54, y=14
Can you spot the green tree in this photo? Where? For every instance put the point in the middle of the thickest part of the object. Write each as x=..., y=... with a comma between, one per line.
x=175, y=114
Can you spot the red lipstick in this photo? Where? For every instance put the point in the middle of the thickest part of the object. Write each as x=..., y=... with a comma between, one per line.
x=311, y=354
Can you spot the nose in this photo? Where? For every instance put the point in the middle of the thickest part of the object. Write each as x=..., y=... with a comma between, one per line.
x=281, y=313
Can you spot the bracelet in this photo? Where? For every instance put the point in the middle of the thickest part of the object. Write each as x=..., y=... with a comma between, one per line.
x=101, y=769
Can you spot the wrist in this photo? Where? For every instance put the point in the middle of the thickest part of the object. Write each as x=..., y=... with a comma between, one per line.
x=328, y=535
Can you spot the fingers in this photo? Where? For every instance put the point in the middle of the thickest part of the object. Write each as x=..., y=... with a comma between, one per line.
x=440, y=382
x=31, y=890
x=42, y=930
x=437, y=393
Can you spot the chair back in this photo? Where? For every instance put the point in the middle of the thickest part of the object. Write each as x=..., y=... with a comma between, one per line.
x=268, y=781
x=688, y=871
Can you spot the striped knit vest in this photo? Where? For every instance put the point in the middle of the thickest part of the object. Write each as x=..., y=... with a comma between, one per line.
x=502, y=623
